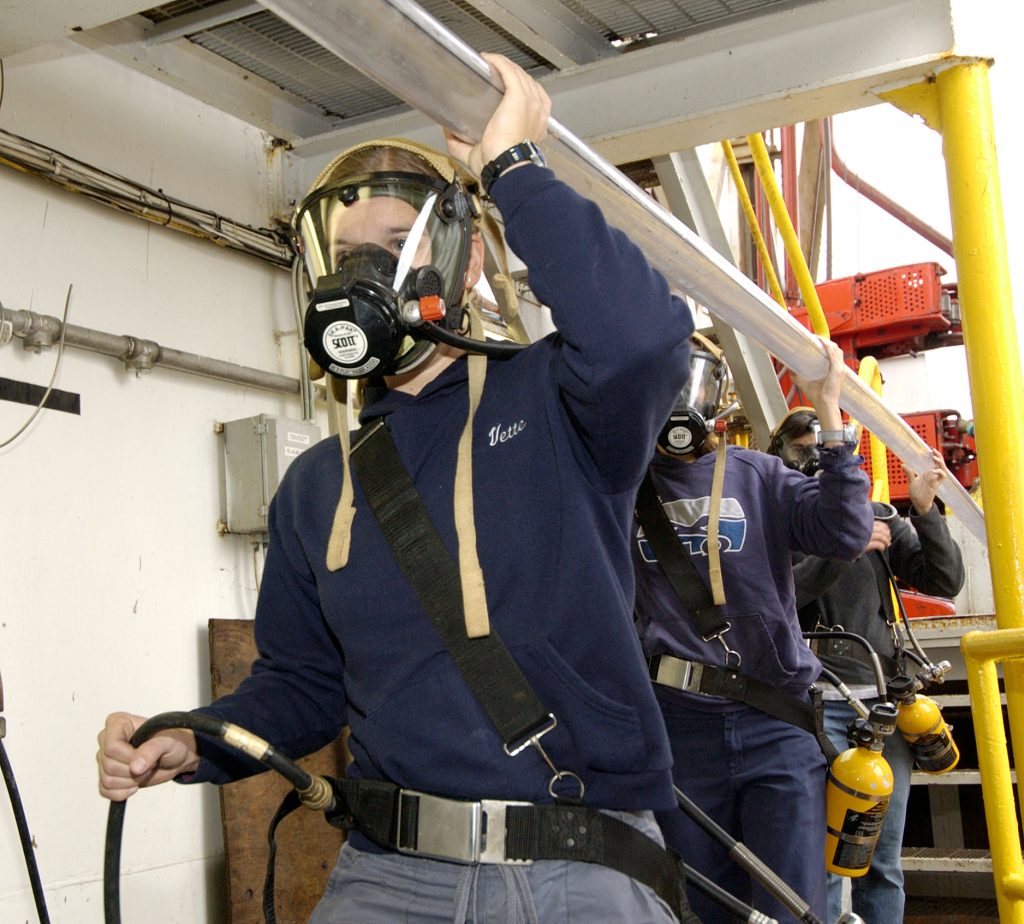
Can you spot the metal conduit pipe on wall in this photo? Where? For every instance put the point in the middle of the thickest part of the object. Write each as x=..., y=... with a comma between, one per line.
x=133, y=198
x=37, y=331
x=404, y=49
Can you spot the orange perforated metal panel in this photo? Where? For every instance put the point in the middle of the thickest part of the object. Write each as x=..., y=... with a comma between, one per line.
x=928, y=426
x=899, y=293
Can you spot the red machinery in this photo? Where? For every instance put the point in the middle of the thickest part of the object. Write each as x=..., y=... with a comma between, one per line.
x=896, y=312
x=945, y=431
x=891, y=312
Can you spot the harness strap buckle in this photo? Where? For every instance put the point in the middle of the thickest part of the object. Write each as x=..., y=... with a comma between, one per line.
x=532, y=738
x=732, y=657
x=677, y=672
x=451, y=829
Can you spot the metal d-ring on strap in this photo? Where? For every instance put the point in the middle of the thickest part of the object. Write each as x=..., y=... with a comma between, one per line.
x=485, y=662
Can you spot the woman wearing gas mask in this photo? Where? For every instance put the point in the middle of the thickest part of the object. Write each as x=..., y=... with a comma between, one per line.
x=856, y=597
x=716, y=612
x=503, y=728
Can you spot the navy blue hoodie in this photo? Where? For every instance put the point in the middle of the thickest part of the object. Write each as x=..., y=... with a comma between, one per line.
x=766, y=510
x=561, y=439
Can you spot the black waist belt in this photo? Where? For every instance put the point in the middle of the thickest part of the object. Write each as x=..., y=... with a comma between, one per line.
x=494, y=831
x=710, y=680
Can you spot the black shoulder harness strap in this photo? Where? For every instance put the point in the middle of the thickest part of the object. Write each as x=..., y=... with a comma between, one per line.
x=485, y=663
x=675, y=563
x=695, y=597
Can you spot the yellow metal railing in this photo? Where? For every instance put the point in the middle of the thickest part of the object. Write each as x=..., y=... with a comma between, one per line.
x=755, y=229
x=785, y=225
x=981, y=651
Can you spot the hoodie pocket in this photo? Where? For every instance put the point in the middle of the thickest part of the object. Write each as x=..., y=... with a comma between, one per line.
x=607, y=735
x=767, y=651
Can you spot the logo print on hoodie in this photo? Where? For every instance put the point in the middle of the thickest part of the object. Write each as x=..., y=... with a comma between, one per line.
x=502, y=434
x=689, y=519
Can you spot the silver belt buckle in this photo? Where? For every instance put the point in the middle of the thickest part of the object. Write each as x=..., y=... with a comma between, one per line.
x=465, y=832
x=493, y=846
x=680, y=674
x=446, y=829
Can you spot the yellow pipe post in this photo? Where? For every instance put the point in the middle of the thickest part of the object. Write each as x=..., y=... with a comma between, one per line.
x=755, y=230
x=993, y=351
x=990, y=335
x=870, y=373
x=785, y=225
x=981, y=650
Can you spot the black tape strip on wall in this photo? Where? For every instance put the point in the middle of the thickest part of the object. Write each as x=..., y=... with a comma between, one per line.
x=26, y=393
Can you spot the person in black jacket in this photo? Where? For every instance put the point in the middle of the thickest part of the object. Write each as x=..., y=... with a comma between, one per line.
x=856, y=597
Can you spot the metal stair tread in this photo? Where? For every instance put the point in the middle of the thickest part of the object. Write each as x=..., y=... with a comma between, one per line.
x=944, y=859
x=952, y=778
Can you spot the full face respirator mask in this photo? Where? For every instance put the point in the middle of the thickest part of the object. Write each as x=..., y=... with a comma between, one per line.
x=801, y=458
x=696, y=407
x=386, y=256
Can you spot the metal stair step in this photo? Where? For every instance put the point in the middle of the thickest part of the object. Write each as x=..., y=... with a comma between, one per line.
x=940, y=859
x=953, y=778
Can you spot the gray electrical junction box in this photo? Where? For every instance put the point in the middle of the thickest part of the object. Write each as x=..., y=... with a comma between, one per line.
x=257, y=450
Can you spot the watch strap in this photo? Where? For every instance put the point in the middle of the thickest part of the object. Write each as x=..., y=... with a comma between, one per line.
x=847, y=435
x=517, y=154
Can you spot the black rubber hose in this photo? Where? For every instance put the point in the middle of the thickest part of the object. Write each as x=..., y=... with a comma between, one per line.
x=727, y=900
x=204, y=725
x=112, y=864
x=499, y=348
x=922, y=658
x=25, y=836
x=876, y=665
x=749, y=861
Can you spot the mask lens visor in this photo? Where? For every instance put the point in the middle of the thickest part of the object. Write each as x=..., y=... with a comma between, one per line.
x=704, y=390
x=382, y=209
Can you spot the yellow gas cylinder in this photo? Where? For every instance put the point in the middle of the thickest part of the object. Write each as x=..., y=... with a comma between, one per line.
x=857, y=794
x=920, y=723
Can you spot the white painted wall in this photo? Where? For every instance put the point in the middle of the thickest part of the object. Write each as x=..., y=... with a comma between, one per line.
x=110, y=565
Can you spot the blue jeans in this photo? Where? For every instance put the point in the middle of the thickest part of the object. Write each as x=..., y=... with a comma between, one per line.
x=763, y=781
x=878, y=896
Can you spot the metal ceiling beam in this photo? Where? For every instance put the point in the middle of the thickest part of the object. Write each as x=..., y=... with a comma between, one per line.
x=780, y=68
x=415, y=57
x=689, y=197
x=207, y=77
x=554, y=32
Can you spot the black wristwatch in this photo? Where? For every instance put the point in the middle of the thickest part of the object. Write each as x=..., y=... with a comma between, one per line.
x=517, y=154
